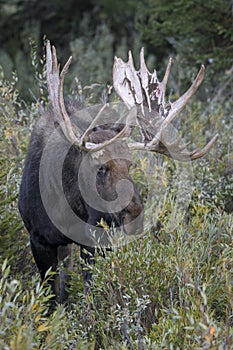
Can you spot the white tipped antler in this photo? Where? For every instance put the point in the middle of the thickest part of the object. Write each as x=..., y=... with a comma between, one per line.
x=143, y=89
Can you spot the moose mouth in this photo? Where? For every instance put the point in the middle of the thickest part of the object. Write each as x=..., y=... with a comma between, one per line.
x=135, y=227
x=113, y=229
x=124, y=224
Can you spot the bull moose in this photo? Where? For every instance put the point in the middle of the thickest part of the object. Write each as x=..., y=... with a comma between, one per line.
x=75, y=162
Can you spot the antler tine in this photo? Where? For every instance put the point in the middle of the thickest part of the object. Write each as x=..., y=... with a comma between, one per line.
x=130, y=60
x=56, y=66
x=201, y=153
x=60, y=89
x=177, y=106
x=52, y=72
x=163, y=84
x=144, y=76
x=66, y=126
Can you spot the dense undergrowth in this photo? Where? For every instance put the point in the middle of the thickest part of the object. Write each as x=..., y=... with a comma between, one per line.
x=171, y=289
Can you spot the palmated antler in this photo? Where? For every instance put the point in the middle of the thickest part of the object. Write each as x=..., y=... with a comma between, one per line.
x=55, y=82
x=143, y=90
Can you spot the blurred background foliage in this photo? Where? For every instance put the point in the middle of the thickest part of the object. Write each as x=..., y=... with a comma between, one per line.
x=172, y=289
x=93, y=31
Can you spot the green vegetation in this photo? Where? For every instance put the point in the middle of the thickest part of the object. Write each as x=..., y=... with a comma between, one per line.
x=199, y=32
x=93, y=31
x=171, y=289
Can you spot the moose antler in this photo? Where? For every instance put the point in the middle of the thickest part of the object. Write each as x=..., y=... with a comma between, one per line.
x=55, y=82
x=143, y=89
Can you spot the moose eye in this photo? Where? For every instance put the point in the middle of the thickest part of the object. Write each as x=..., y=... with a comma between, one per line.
x=102, y=171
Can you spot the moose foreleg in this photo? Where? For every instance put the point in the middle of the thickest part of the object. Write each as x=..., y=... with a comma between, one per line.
x=65, y=253
x=45, y=257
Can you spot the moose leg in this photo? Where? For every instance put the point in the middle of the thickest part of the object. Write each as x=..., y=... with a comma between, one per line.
x=87, y=254
x=45, y=257
x=65, y=254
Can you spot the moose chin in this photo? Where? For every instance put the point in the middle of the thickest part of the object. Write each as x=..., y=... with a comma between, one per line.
x=76, y=185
